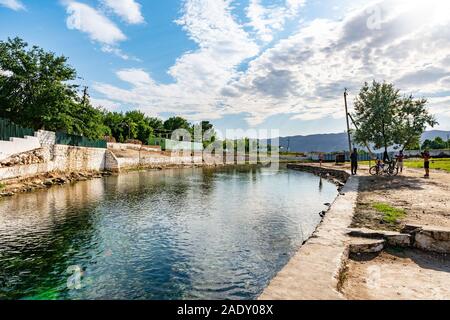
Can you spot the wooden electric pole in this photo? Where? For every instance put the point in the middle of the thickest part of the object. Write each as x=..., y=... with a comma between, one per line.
x=348, y=123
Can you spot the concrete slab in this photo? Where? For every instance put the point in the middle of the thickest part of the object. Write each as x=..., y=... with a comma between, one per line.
x=313, y=273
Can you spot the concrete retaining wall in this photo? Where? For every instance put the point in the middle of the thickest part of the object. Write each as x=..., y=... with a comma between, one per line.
x=433, y=153
x=127, y=163
x=131, y=146
x=60, y=158
x=18, y=145
x=46, y=138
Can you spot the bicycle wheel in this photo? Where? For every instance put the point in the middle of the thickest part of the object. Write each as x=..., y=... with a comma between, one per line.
x=392, y=171
x=395, y=172
x=375, y=171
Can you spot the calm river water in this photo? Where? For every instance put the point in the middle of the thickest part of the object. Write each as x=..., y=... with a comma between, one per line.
x=172, y=234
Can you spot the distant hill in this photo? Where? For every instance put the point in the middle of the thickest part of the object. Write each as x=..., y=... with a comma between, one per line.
x=336, y=141
x=431, y=135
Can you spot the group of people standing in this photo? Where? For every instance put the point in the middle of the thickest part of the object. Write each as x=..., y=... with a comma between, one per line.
x=400, y=157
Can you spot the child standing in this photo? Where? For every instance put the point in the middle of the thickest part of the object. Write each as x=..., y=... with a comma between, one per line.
x=400, y=157
x=426, y=163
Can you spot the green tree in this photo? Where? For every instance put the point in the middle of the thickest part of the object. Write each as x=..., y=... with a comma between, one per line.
x=34, y=88
x=139, y=126
x=155, y=123
x=114, y=121
x=411, y=122
x=384, y=118
x=436, y=144
x=175, y=123
x=37, y=91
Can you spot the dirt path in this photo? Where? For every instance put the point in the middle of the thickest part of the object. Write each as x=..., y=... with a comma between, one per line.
x=425, y=201
x=398, y=275
x=406, y=274
x=403, y=273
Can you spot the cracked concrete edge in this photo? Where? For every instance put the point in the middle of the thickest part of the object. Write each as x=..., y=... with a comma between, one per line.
x=315, y=271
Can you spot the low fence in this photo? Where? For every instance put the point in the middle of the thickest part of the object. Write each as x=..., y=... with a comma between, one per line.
x=330, y=157
x=79, y=141
x=172, y=145
x=434, y=153
x=9, y=130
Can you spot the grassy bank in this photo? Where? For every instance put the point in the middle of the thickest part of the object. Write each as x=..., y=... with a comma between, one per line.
x=438, y=164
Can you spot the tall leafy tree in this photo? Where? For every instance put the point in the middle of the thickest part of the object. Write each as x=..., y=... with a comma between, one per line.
x=155, y=123
x=436, y=144
x=412, y=120
x=35, y=86
x=140, y=128
x=37, y=91
x=385, y=118
x=175, y=123
x=114, y=121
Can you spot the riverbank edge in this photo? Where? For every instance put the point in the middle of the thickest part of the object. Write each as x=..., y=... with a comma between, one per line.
x=15, y=186
x=316, y=271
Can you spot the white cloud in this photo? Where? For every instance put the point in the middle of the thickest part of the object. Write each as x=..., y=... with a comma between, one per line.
x=303, y=75
x=128, y=10
x=90, y=21
x=199, y=75
x=267, y=20
x=105, y=103
x=136, y=77
x=13, y=4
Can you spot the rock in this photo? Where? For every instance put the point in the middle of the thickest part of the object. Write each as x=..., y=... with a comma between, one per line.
x=48, y=182
x=358, y=246
x=60, y=180
x=410, y=229
x=392, y=238
x=399, y=240
x=433, y=239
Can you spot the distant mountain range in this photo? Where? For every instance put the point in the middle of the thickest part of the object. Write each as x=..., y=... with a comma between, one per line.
x=336, y=141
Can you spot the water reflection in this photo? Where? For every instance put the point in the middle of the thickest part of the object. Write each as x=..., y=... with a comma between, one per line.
x=172, y=234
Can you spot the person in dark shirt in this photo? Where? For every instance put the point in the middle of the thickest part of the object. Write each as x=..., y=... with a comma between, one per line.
x=354, y=160
x=426, y=163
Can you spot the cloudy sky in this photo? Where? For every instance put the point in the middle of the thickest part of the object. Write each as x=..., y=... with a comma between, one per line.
x=246, y=63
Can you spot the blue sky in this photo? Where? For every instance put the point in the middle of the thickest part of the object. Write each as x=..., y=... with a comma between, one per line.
x=280, y=64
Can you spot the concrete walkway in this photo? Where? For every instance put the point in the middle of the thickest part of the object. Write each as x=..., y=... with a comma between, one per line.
x=313, y=273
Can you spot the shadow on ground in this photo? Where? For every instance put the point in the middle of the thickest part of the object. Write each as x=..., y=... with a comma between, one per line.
x=425, y=260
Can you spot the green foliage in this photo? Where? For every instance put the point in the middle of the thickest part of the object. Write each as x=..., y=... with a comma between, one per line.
x=411, y=121
x=175, y=123
x=37, y=91
x=33, y=86
x=384, y=118
x=436, y=144
x=391, y=215
x=206, y=130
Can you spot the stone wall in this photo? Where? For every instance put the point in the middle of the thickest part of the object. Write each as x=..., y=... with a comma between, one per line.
x=157, y=161
x=131, y=146
x=60, y=158
x=18, y=145
x=433, y=153
x=46, y=137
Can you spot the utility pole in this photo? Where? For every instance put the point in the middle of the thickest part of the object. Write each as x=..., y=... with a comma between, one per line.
x=348, y=123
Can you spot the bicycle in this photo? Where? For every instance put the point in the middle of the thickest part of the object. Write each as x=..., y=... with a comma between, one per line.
x=388, y=168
